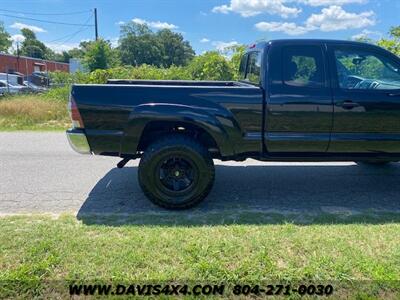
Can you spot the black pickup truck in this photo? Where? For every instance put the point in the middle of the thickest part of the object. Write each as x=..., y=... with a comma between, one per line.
x=296, y=100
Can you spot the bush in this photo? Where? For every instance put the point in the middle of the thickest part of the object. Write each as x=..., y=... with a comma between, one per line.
x=101, y=76
x=211, y=66
x=58, y=94
x=62, y=78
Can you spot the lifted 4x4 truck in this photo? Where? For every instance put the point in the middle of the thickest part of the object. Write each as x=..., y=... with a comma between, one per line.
x=296, y=100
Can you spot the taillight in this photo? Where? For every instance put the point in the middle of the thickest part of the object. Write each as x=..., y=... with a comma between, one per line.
x=74, y=114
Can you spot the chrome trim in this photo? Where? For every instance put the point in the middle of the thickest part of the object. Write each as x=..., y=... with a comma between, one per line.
x=78, y=142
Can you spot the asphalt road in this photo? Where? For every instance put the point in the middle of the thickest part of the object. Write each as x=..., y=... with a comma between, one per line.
x=39, y=173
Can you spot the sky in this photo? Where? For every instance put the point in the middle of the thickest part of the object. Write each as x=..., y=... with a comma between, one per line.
x=206, y=24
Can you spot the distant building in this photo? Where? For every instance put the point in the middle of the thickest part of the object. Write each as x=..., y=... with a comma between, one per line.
x=28, y=65
x=76, y=65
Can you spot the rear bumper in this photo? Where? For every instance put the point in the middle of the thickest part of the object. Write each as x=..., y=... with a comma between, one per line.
x=78, y=141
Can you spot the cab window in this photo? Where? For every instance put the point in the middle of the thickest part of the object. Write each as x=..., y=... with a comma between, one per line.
x=253, y=70
x=242, y=67
x=303, y=66
x=359, y=69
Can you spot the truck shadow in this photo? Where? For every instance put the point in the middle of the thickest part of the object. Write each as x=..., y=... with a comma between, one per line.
x=313, y=194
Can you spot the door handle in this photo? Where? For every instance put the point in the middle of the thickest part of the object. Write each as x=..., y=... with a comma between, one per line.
x=349, y=104
x=393, y=94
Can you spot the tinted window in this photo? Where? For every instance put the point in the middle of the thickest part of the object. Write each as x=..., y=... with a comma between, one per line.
x=253, y=71
x=303, y=66
x=362, y=69
x=242, y=67
x=2, y=84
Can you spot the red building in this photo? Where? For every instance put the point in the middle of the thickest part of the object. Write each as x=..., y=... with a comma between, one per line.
x=28, y=65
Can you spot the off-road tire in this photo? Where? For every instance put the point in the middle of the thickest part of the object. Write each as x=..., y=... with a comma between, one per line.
x=164, y=149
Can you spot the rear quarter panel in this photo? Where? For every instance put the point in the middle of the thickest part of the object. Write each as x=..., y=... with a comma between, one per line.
x=115, y=115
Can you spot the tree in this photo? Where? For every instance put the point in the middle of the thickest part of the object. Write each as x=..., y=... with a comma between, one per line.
x=32, y=47
x=211, y=66
x=175, y=51
x=237, y=54
x=395, y=32
x=5, y=39
x=78, y=52
x=139, y=45
x=99, y=55
x=65, y=56
x=392, y=44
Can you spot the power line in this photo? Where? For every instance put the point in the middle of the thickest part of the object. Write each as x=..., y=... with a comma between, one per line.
x=45, y=21
x=70, y=36
x=83, y=27
x=75, y=34
x=46, y=14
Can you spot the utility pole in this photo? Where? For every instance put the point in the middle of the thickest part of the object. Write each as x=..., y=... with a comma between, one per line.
x=95, y=24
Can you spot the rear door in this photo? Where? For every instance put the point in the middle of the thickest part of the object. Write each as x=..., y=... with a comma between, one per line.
x=366, y=90
x=299, y=101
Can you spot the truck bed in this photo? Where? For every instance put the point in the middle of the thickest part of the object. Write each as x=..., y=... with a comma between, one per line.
x=192, y=83
x=115, y=114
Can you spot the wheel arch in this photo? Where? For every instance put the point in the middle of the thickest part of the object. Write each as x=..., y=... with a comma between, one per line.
x=155, y=130
x=148, y=122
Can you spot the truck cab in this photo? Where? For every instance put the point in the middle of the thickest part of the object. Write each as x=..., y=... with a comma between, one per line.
x=337, y=98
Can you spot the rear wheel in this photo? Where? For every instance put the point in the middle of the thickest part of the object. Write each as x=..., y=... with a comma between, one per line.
x=176, y=172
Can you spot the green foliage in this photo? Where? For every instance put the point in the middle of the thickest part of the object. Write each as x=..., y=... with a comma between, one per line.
x=395, y=32
x=370, y=67
x=62, y=78
x=356, y=258
x=101, y=76
x=211, y=66
x=58, y=94
x=31, y=46
x=175, y=51
x=34, y=112
x=139, y=45
x=141, y=72
x=5, y=41
x=238, y=52
x=99, y=55
x=79, y=52
x=61, y=57
x=95, y=54
x=306, y=68
x=393, y=43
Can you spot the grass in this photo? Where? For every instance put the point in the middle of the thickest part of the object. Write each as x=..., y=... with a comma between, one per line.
x=36, y=250
x=33, y=112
